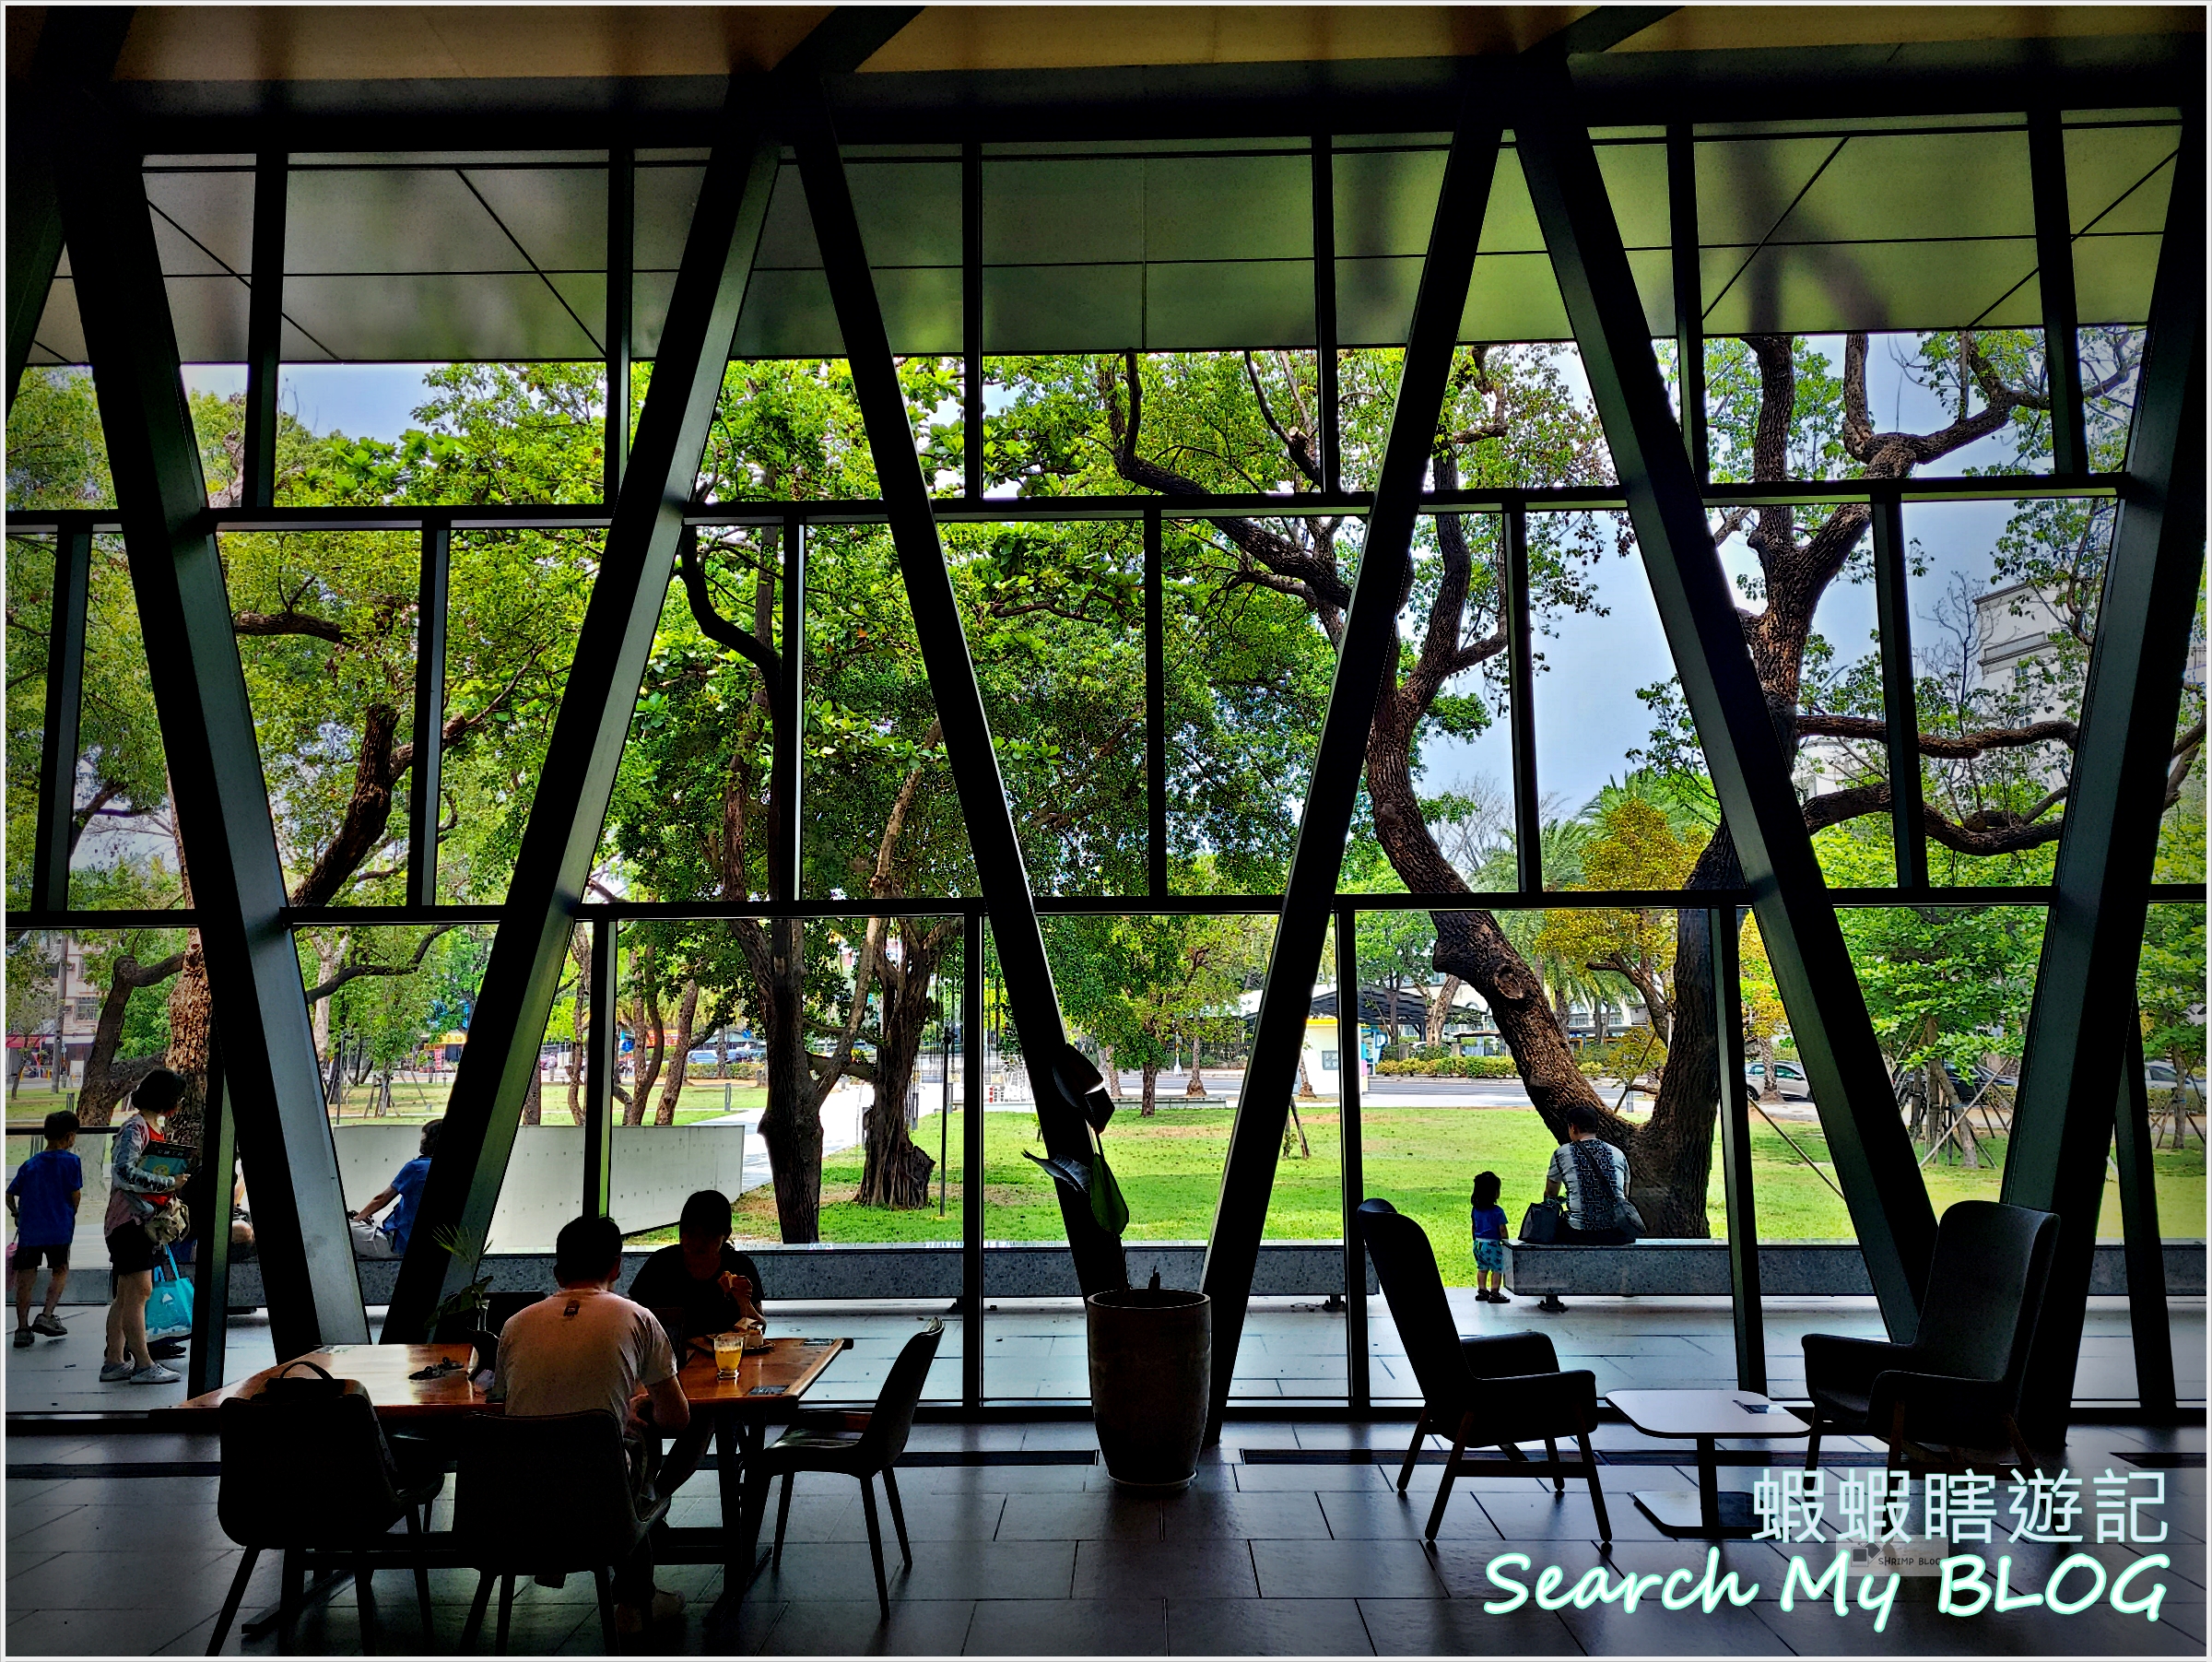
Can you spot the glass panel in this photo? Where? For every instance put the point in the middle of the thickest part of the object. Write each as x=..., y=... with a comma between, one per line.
x=909, y=208
x=693, y=809
x=1248, y=675
x=1058, y=426
x=793, y=431
x=2004, y=600
x=881, y=813
x=2170, y=989
x=57, y=456
x=1054, y=622
x=516, y=603
x=29, y=622
x=125, y=852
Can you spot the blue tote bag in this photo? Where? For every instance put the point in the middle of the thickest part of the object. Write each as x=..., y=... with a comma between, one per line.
x=169, y=1307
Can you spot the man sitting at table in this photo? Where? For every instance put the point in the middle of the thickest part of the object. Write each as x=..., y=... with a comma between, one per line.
x=586, y=1346
x=700, y=1286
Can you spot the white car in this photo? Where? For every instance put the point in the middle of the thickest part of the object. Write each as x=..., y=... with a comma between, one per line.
x=2159, y=1079
x=1788, y=1076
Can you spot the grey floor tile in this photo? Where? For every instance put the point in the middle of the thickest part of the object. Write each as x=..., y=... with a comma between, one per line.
x=941, y=1570
x=1450, y=1627
x=36, y=1518
x=1371, y=1516
x=106, y=1528
x=929, y=1517
x=1921, y=1629
x=993, y=1480
x=95, y=1633
x=1213, y=1476
x=1347, y=1569
x=91, y=1581
x=744, y=1629
x=1650, y=1629
x=1525, y=1517
x=22, y=1489
x=1089, y=1627
x=1754, y=1562
x=1289, y=1514
x=1266, y=1627
x=851, y=1627
x=1123, y=1569
x=1259, y=1480
x=1093, y=1515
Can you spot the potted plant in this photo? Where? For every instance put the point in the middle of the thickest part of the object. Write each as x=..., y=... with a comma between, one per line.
x=1151, y=1348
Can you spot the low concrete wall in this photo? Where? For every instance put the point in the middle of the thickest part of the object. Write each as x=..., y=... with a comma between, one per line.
x=654, y=1168
x=1788, y=1269
x=1012, y=1269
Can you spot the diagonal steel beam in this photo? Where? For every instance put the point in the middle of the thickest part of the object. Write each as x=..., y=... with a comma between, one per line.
x=216, y=785
x=1367, y=653
x=566, y=815
x=1000, y=870
x=2078, y=1027
x=78, y=48
x=1751, y=773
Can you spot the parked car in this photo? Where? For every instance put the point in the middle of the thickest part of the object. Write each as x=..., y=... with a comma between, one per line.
x=1789, y=1078
x=2159, y=1079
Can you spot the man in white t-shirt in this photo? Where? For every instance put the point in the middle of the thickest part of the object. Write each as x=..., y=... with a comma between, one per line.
x=587, y=1347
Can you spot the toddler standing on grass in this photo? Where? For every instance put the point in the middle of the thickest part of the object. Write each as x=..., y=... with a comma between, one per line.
x=1488, y=1220
x=42, y=1198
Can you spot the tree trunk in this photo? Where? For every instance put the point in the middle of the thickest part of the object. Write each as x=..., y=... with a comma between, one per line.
x=896, y=1173
x=191, y=1021
x=1440, y=1010
x=534, y=1099
x=1196, y=1088
x=687, y=1012
x=1771, y=1087
x=1109, y=1071
x=1670, y=1159
x=791, y=1125
x=648, y=1071
x=330, y=952
x=1149, y=1100
x=1306, y=1093
x=108, y=1081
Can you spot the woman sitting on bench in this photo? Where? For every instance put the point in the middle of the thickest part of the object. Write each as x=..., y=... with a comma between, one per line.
x=1595, y=1175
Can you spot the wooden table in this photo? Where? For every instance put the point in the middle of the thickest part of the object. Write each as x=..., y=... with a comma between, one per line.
x=740, y=1409
x=1706, y=1416
x=383, y=1371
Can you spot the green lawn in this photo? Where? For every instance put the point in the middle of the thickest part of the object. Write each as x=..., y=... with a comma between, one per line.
x=1422, y=1160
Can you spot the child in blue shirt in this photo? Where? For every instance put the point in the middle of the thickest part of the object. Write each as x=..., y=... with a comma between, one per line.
x=1487, y=1220
x=42, y=1198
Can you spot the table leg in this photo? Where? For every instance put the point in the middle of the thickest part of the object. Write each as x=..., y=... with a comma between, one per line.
x=1709, y=1485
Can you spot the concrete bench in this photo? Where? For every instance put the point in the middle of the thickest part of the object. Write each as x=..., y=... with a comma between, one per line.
x=1012, y=1269
x=1661, y=1268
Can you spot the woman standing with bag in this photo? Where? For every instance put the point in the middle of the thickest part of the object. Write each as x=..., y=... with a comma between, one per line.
x=140, y=1208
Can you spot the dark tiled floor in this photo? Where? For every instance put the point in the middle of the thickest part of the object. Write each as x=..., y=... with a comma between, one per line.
x=1264, y=1560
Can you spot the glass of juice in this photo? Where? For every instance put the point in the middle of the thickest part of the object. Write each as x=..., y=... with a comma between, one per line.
x=729, y=1352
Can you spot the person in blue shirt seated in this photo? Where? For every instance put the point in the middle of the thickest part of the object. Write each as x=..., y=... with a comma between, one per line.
x=389, y=1239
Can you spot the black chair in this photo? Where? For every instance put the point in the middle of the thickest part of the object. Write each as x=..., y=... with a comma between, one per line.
x=1959, y=1383
x=1500, y=1390
x=309, y=1473
x=858, y=1446
x=542, y=1496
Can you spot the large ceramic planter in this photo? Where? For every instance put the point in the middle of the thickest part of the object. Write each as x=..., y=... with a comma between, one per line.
x=1151, y=1372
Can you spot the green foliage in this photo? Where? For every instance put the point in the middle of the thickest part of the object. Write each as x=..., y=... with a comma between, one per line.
x=1448, y=1067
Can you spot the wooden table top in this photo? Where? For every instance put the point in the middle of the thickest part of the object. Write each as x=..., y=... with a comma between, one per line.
x=1696, y=1413
x=792, y=1363
x=383, y=1371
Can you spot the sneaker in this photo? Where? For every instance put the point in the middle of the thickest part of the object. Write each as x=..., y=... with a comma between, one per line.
x=49, y=1325
x=25, y=1338
x=114, y=1373
x=631, y=1619
x=155, y=1373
